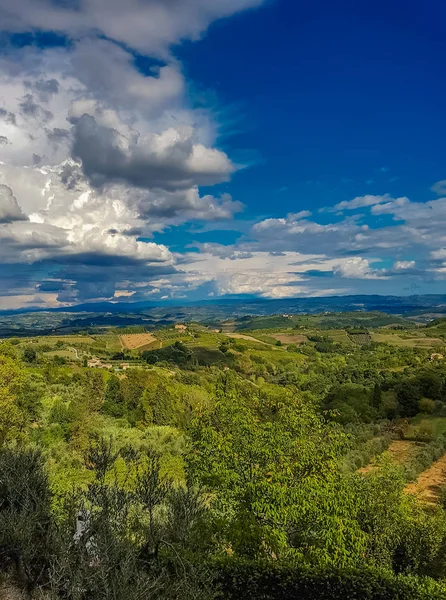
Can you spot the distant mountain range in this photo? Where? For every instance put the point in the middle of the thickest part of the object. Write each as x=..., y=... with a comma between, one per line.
x=391, y=304
x=96, y=315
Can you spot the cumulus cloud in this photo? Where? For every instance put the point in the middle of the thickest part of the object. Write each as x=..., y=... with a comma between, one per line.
x=357, y=268
x=96, y=155
x=170, y=160
x=9, y=207
x=149, y=26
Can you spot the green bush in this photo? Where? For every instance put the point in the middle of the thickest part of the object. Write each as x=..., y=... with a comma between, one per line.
x=426, y=405
x=266, y=581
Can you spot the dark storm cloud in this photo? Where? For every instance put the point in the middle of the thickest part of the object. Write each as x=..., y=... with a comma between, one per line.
x=100, y=280
x=57, y=134
x=51, y=286
x=104, y=160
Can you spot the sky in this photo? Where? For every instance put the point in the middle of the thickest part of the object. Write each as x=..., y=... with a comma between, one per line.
x=191, y=150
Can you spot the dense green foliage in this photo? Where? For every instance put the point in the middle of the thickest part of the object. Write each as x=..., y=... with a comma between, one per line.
x=221, y=467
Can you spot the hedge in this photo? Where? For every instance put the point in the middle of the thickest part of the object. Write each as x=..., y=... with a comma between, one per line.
x=245, y=580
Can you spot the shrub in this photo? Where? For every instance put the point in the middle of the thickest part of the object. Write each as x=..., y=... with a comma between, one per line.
x=426, y=405
x=255, y=581
x=425, y=432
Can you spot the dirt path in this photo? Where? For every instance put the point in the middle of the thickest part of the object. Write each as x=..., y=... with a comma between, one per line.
x=239, y=336
x=428, y=484
x=75, y=351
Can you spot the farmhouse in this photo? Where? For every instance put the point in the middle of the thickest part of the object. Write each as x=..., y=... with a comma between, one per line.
x=96, y=363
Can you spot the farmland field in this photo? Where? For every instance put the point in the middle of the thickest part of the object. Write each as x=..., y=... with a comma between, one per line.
x=249, y=338
x=428, y=484
x=68, y=354
x=290, y=338
x=399, y=451
x=66, y=339
x=362, y=338
x=132, y=341
x=413, y=342
x=338, y=336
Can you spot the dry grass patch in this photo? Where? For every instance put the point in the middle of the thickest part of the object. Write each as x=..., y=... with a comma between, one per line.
x=132, y=341
x=429, y=482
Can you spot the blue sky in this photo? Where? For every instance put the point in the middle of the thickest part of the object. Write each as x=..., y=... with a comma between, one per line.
x=187, y=150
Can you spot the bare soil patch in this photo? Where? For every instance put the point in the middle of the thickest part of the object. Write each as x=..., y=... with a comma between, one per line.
x=132, y=341
x=427, y=486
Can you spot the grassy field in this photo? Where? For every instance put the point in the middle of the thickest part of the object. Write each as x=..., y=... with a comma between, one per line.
x=405, y=339
x=73, y=340
x=69, y=354
x=437, y=425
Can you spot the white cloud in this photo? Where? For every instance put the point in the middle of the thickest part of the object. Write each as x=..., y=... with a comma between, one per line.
x=357, y=268
x=360, y=202
x=149, y=26
x=98, y=155
x=404, y=265
x=258, y=273
x=439, y=188
x=439, y=254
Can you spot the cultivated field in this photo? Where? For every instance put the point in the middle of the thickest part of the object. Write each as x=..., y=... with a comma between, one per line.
x=249, y=338
x=360, y=338
x=428, y=484
x=400, y=451
x=412, y=341
x=339, y=336
x=67, y=354
x=53, y=339
x=132, y=341
x=286, y=338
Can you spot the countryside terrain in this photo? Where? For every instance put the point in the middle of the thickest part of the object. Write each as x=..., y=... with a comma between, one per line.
x=206, y=457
